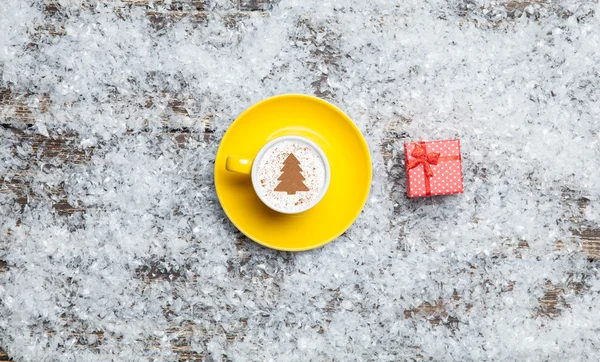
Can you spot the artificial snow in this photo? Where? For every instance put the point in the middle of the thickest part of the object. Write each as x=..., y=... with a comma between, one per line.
x=520, y=88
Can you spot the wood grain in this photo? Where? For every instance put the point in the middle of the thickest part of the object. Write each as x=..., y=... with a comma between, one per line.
x=180, y=338
x=496, y=14
x=256, y=5
x=20, y=109
x=56, y=195
x=45, y=154
x=590, y=241
x=48, y=153
x=4, y=355
x=435, y=313
x=553, y=302
x=57, y=6
x=164, y=19
x=63, y=147
x=160, y=270
x=177, y=5
x=162, y=14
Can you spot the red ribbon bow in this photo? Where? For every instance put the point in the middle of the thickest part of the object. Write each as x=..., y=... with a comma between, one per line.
x=421, y=157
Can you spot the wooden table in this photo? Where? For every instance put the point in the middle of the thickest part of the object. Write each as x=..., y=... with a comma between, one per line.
x=18, y=118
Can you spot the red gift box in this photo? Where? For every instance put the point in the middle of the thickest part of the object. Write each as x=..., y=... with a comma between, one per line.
x=433, y=168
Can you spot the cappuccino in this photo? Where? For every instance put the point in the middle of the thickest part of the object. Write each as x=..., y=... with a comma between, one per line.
x=291, y=176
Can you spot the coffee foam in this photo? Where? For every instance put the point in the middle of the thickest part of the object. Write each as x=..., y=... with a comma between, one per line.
x=307, y=164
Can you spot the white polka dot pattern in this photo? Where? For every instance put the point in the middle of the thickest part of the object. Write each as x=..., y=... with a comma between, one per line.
x=447, y=174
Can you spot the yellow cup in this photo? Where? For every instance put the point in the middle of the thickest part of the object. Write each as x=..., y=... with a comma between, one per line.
x=247, y=166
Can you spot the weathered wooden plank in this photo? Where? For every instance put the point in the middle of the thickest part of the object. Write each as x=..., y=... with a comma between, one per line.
x=586, y=234
x=18, y=108
x=590, y=241
x=161, y=13
x=164, y=19
x=160, y=270
x=59, y=149
x=256, y=5
x=21, y=189
x=497, y=14
x=35, y=147
x=56, y=6
x=4, y=356
x=243, y=266
x=436, y=313
x=553, y=302
x=177, y=5
x=45, y=153
x=180, y=338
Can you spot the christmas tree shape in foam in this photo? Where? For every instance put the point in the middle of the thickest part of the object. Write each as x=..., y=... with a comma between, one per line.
x=291, y=178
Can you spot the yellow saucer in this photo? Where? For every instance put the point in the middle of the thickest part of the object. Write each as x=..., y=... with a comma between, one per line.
x=334, y=133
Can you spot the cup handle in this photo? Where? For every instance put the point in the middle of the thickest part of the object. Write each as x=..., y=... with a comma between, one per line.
x=238, y=164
